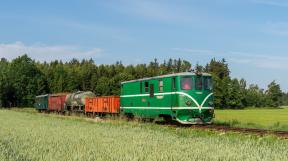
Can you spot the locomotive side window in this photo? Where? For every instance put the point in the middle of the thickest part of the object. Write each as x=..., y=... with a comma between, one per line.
x=160, y=85
x=198, y=83
x=207, y=83
x=146, y=87
x=186, y=83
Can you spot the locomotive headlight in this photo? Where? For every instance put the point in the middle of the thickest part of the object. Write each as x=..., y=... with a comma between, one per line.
x=188, y=103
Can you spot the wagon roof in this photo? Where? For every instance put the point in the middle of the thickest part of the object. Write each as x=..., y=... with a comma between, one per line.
x=167, y=75
x=43, y=95
x=59, y=94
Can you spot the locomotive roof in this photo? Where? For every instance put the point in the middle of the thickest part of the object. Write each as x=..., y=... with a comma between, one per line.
x=168, y=75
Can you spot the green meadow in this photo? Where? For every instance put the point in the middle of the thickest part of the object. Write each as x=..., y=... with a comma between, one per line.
x=272, y=119
x=27, y=135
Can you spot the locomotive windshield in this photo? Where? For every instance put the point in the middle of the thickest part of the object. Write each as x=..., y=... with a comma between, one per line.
x=186, y=83
x=207, y=83
x=198, y=83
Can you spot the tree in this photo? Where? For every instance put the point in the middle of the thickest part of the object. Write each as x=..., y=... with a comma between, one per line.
x=222, y=81
x=94, y=82
x=255, y=97
x=284, y=99
x=153, y=68
x=3, y=81
x=86, y=71
x=22, y=79
x=170, y=66
x=178, y=65
x=199, y=68
x=219, y=68
x=274, y=94
x=102, y=87
x=26, y=80
x=140, y=71
x=115, y=82
x=185, y=66
x=243, y=92
x=235, y=96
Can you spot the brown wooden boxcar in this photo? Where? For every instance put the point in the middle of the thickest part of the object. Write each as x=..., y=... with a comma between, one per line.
x=57, y=102
x=104, y=104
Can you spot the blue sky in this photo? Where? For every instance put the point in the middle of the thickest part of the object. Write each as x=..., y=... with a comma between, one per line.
x=252, y=35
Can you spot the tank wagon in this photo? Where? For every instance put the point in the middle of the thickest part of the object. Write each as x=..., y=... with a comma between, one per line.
x=184, y=97
x=76, y=101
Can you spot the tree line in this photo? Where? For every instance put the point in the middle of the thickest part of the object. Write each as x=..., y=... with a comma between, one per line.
x=22, y=78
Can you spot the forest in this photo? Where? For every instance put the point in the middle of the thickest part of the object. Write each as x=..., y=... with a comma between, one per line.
x=22, y=78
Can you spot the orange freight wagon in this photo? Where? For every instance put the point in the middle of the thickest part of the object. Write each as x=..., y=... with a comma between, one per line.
x=104, y=104
x=57, y=102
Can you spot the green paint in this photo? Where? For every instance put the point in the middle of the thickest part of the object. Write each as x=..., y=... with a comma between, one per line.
x=41, y=102
x=167, y=96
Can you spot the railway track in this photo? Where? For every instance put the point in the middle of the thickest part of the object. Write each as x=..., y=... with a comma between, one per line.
x=260, y=132
x=221, y=128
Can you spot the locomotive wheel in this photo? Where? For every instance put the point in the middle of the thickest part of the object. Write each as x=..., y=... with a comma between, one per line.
x=151, y=120
x=146, y=119
x=167, y=118
x=129, y=116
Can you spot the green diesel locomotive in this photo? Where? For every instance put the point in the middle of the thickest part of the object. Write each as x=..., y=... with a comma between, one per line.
x=185, y=97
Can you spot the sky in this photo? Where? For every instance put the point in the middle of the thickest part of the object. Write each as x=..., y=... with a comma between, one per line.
x=252, y=35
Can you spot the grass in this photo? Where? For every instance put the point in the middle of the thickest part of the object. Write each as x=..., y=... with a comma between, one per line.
x=31, y=136
x=273, y=119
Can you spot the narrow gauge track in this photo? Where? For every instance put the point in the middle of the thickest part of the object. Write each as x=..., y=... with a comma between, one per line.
x=260, y=132
x=219, y=128
x=222, y=128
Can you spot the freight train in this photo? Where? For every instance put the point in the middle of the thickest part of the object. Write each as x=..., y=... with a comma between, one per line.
x=184, y=97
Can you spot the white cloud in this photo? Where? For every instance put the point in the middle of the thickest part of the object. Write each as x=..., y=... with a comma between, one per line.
x=270, y=61
x=162, y=11
x=153, y=10
x=266, y=61
x=47, y=53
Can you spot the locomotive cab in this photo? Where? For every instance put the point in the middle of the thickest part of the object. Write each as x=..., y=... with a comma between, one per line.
x=195, y=100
